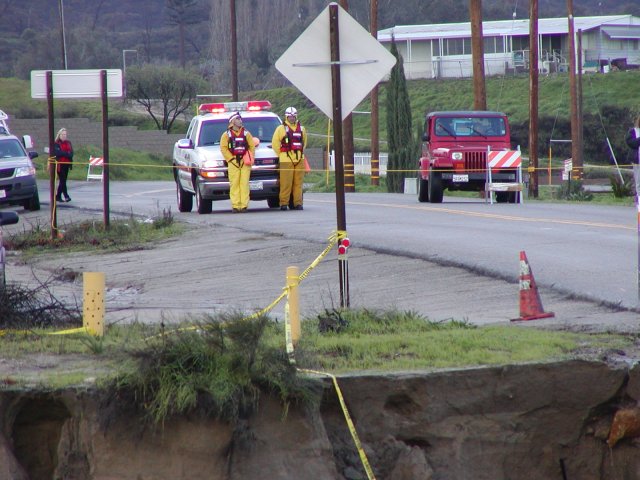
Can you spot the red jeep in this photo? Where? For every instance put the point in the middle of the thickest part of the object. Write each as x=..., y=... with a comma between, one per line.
x=454, y=153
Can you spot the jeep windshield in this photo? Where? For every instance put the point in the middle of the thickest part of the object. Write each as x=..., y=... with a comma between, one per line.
x=470, y=127
x=262, y=128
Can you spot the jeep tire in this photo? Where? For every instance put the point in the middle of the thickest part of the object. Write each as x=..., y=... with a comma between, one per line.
x=435, y=187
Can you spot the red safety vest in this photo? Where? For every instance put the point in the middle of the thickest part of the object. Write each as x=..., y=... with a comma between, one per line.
x=292, y=141
x=237, y=142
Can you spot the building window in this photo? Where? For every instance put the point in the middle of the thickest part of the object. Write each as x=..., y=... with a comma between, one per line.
x=466, y=44
x=435, y=47
x=489, y=44
x=454, y=46
x=520, y=43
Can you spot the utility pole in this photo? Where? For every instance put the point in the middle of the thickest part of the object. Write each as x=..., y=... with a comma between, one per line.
x=347, y=127
x=579, y=99
x=234, y=52
x=575, y=137
x=63, y=40
x=533, y=98
x=477, y=50
x=375, y=144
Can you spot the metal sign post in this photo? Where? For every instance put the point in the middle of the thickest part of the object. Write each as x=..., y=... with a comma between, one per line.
x=343, y=266
x=336, y=40
x=51, y=167
x=102, y=84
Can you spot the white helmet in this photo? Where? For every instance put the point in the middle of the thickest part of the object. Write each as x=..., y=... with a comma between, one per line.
x=291, y=111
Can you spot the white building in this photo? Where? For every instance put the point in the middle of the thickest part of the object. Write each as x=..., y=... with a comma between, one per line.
x=444, y=50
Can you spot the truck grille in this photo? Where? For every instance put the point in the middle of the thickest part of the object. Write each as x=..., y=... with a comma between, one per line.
x=475, y=161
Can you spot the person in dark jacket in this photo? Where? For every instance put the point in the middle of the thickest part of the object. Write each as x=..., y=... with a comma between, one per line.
x=63, y=151
x=633, y=138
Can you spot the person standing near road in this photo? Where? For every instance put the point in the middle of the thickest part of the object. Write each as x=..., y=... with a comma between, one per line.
x=633, y=138
x=237, y=145
x=63, y=152
x=289, y=141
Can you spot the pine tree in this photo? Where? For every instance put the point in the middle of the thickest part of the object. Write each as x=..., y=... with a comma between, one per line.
x=402, y=147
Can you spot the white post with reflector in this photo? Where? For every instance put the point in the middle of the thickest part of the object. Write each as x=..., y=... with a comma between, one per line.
x=343, y=270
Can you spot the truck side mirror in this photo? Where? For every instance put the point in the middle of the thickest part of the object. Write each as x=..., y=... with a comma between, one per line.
x=185, y=143
x=27, y=142
x=425, y=137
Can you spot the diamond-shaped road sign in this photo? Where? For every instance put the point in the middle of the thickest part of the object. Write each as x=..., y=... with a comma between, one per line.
x=363, y=62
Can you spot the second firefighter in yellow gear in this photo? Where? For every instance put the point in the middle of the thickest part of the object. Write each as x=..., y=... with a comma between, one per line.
x=289, y=141
x=236, y=144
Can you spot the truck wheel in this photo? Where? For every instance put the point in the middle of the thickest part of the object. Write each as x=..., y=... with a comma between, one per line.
x=423, y=191
x=435, y=187
x=185, y=199
x=273, y=202
x=203, y=206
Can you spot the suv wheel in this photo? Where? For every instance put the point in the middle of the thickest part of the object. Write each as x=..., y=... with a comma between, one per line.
x=185, y=199
x=203, y=206
x=273, y=202
x=33, y=203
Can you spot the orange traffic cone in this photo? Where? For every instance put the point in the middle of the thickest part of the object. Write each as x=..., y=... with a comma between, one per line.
x=530, y=304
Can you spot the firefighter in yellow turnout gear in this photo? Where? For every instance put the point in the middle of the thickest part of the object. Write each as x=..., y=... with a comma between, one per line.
x=289, y=141
x=237, y=146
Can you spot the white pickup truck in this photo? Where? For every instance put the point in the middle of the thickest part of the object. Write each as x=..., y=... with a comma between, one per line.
x=199, y=167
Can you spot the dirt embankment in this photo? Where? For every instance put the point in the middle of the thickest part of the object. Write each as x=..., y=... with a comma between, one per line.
x=526, y=421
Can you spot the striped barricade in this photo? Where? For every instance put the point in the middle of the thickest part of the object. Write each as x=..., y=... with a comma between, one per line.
x=95, y=163
x=504, y=159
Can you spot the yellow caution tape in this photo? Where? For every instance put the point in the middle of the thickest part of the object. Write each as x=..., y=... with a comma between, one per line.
x=31, y=332
x=350, y=425
x=70, y=331
x=333, y=239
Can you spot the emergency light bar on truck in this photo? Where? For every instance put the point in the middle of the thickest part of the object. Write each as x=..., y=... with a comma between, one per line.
x=250, y=106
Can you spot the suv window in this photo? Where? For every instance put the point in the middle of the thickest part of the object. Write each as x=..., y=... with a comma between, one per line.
x=11, y=148
x=470, y=126
x=262, y=128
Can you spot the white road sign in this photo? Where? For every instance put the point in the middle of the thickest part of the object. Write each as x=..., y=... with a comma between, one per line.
x=75, y=83
x=363, y=62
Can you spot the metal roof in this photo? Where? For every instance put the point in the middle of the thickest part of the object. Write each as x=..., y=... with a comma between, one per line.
x=546, y=26
x=620, y=32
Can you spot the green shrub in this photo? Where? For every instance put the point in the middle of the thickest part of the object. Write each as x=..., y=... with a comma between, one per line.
x=573, y=190
x=218, y=368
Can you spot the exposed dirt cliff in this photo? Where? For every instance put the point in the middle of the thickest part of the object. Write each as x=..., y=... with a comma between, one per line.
x=511, y=422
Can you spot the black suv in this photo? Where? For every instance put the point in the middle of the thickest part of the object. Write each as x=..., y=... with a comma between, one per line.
x=17, y=173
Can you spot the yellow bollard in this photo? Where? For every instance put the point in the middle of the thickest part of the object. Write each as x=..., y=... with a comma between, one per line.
x=294, y=303
x=93, y=302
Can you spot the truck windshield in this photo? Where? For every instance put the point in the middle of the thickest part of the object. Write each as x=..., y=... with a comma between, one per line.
x=262, y=128
x=470, y=127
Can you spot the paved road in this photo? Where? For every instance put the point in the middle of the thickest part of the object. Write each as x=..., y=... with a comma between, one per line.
x=406, y=255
